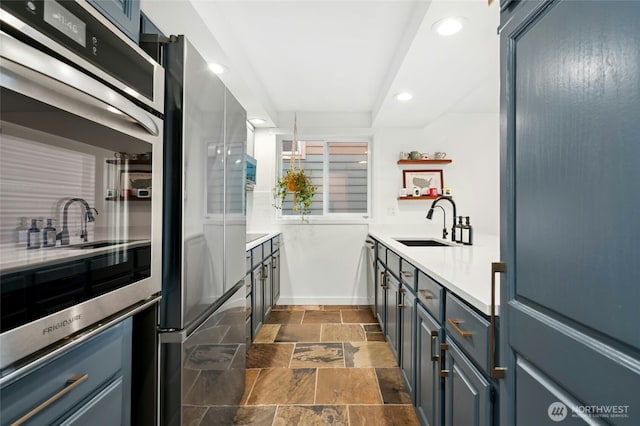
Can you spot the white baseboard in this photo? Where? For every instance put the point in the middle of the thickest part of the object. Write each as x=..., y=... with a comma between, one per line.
x=322, y=301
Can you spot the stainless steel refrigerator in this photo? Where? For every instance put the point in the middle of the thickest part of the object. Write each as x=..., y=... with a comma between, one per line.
x=202, y=311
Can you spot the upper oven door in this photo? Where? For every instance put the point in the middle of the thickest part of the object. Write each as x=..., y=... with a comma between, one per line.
x=76, y=33
x=72, y=144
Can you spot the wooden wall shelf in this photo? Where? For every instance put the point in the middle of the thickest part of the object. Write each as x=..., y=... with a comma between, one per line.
x=421, y=197
x=443, y=161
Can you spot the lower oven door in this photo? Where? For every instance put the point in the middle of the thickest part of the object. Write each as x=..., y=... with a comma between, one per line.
x=76, y=243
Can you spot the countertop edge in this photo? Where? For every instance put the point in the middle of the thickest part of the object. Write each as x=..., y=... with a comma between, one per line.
x=254, y=243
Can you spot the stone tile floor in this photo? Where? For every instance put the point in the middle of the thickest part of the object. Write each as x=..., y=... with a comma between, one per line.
x=320, y=365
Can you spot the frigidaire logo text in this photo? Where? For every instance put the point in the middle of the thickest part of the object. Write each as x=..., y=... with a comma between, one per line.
x=61, y=324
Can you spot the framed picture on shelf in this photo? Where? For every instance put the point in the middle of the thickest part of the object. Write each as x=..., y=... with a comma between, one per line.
x=134, y=180
x=423, y=179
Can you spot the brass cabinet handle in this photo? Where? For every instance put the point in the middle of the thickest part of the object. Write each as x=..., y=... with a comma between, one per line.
x=454, y=323
x=424, y=295
x=72, y=382
x=265, y=272
x=434, y=335
x=406, y=274
x=443, y=348
x=400, y=305
x=496, y=267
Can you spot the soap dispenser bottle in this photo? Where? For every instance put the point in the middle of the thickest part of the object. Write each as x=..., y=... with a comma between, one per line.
x=33, y=235
x=22, y=232
x=49, y=235
x=468, y=232
x=458, y=230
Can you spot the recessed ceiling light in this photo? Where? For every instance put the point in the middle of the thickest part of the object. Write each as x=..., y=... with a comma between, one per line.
x=217, y=68
x=447, y=26
x=257, y=121
x=404, y=96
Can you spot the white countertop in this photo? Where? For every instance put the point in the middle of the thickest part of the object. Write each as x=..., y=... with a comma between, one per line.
x=254, y=239
x=13, y=258
x=464, y=270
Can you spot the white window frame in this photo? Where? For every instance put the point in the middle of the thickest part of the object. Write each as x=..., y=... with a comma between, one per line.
x=326, y=217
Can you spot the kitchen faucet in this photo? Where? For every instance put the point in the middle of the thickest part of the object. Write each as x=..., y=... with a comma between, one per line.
x=453, y=227
x=88, y=216
x=444, y=223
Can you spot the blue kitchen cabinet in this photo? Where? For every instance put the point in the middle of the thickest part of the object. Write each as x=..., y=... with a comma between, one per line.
x=381, y=296
x=263, y=262
x=428, y=387
x=275, y=268
x=393, y=300
x=257, y=296
x=570, y=79
x=87, y=384
x=406, y=323
x=124, y=14
x=267, y=286
x=468, y=398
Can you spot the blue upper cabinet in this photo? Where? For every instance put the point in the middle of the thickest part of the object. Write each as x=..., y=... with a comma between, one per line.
x=570, y=97
x=125, y=14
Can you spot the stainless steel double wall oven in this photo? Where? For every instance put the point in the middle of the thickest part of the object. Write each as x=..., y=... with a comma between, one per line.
x=81, y=176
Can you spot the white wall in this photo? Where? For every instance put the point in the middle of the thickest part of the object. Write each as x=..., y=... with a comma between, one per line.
x=322, y=263
x=472, y=142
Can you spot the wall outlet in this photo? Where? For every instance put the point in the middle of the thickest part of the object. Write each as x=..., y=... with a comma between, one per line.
x=391, y=211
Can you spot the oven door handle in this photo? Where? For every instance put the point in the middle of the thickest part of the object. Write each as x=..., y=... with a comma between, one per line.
x=21, y=56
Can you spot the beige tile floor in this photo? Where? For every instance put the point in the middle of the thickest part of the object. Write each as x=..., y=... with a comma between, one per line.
x=320, y=365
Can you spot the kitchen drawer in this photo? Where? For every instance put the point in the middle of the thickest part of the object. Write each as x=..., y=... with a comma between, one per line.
x=266, y=249
x=469, y=330
x=248, y=261
x=408, y=274
x=256, y=256
x=382, y=253
x=393, y=263
x=105, y=409
x=275, y=243
x=431, y=295
x=103, y=358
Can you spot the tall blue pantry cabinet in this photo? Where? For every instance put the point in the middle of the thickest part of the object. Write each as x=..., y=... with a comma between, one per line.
x=570, y=152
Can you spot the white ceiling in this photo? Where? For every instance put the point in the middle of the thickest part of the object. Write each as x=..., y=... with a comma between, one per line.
x=338, y=56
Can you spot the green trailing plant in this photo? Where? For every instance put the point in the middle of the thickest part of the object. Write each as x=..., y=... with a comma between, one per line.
x=296, y=182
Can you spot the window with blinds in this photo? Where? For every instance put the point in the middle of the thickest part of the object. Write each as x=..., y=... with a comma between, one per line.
x=340, y=170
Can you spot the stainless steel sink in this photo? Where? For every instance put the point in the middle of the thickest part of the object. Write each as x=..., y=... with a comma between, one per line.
x=423, y=243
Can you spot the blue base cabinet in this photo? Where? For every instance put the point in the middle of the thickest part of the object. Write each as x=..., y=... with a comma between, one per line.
x=87, y=384
x=441, y=343
x=263, y=265
x=428, y=388
x=407, y=324
x=468, y=394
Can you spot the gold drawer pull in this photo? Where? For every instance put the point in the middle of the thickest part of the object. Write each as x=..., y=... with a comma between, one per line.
x=454, y=323
x=443, y=349
x=425, y=294
x=71, y=383
x=496, y=267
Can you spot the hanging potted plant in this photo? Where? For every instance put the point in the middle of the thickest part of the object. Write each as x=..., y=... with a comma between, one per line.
x=296, y=182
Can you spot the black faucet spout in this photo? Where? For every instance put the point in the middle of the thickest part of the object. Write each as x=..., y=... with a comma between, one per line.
x=87, y=216
x=430, y=215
